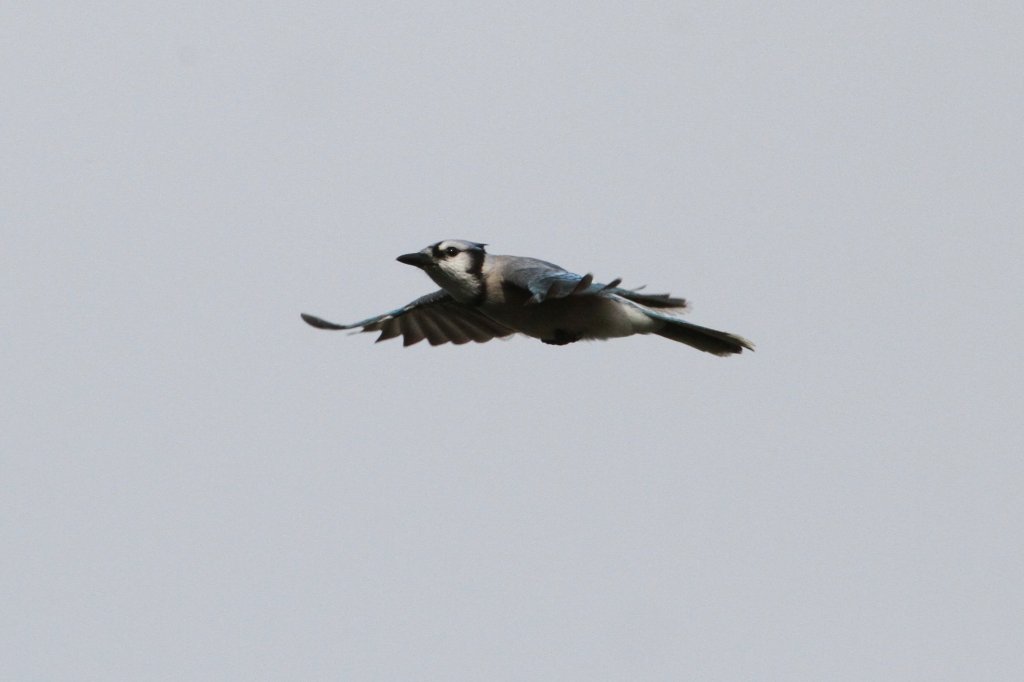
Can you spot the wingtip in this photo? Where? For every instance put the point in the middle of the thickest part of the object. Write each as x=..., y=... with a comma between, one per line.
x=742, y=344
x=313, y=321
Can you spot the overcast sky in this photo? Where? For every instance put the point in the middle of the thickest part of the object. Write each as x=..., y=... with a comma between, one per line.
x=197, y=486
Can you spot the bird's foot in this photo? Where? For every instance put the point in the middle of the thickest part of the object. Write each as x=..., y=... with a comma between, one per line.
x=562, y=338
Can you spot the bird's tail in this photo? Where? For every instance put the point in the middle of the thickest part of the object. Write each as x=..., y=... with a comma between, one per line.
x=701, y=338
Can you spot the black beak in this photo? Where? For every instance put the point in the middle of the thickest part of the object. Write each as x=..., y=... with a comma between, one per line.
x=420, y=260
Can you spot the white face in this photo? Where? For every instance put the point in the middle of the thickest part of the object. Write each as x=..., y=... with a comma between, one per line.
x=456, y=268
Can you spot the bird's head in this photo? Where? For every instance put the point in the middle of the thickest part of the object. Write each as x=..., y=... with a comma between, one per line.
x=454, y=264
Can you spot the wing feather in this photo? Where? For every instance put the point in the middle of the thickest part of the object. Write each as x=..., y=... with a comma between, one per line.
x=480, y=330
x=545, y=280
x=412, y=333
x=652, y=300
x=449, y=329
x=389, y=329
x=436, y=317
x=428, y=323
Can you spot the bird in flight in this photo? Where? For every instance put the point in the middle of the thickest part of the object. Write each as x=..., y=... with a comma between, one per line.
x=485, y=296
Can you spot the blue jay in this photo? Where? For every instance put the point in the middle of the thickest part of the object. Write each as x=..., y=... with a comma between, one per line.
x=485, y=296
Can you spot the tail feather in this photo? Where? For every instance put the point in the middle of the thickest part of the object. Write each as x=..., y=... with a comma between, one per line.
x=702, y=338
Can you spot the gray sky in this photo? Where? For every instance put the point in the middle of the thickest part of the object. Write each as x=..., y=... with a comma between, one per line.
x=196, y=485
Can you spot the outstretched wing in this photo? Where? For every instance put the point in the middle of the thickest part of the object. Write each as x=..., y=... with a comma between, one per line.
x=436, y=317
x=546, y=280
x=664, y=301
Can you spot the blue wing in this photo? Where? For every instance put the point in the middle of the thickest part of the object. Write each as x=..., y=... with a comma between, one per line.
x=546, y=280
x=437, y=317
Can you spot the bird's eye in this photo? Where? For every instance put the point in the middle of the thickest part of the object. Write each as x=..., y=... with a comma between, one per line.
x=451, y=251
